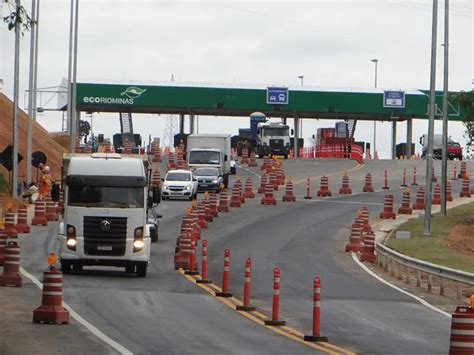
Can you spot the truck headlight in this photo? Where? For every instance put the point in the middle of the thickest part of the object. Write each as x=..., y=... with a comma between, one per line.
x=165, y=187
x=138, y=245
x=71, y=241
x=188, y=187
x=214, y=181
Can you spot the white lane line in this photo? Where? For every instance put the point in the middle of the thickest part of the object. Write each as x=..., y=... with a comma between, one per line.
x=343, y=202
x=422, y=301
x=121, y=349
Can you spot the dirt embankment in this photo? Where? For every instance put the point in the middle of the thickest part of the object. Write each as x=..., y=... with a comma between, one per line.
x=461, y=238
x=42, y=141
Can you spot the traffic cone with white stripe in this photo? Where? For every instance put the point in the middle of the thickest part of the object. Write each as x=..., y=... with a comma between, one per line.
x=10, y=229
x=466, y=190
x=223, y=206
x=39, y=218
x=235, y=197
x=387, y=212
x=22, y=222
x=263, y=182
x=436, y=195
x=289, y=195
x=3, y=245
x=51, y=309
x=420, y=200
x=346, y=188
x=405, y=207
x=248, y=192
x=324, y=189
x=11, y=265
x=368, y=183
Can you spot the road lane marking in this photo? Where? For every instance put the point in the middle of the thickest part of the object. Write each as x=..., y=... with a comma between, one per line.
x=121, y=349
x=344, y=202
x=259, y=318
x=354, y=168
x=419, y=299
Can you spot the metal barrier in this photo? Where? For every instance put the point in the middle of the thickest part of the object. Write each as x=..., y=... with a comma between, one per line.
x=399, y=264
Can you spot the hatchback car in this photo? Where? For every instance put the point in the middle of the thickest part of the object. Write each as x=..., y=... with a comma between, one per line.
x=209, y=178
x=179, y=184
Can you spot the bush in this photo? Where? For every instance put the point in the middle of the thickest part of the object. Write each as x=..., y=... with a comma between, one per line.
x=3, y=183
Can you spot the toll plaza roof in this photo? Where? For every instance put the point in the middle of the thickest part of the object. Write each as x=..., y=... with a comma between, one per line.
x=273, y=101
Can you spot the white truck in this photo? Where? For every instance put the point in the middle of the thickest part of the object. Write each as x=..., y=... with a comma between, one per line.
x=105, y=212
x=209, y=150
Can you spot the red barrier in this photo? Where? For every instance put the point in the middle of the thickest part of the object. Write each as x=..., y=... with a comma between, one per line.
x=404, y=178
x=225, y=276
x=204, y=277
x=192, y=265
x=316, y=335
x=414, y=177
x=276, y=301
x=385, y=177
x=248, y=273
x=436, y=195
x=308, y=189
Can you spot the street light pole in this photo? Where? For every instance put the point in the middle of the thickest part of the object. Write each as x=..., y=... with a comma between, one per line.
x=431, y=111
x=16, y=81
x=444, y=161
x=31, y=108
x=301, y=77
x=375, y=122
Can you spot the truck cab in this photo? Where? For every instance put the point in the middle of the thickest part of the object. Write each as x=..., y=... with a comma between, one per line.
x=105, y=213
x=273, y=138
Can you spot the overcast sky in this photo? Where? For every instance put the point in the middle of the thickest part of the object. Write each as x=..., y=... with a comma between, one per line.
x=269, y=43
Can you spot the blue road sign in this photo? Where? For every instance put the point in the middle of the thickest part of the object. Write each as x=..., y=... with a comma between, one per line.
x=394, y=99
x=277, y=96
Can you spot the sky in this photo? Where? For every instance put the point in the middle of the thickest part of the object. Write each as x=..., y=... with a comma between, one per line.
x=329, y=43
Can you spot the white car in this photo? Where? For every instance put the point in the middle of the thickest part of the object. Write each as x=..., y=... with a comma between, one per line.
x=179, y=184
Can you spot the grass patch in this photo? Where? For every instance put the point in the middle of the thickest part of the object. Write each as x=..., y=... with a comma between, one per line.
x=434, y=249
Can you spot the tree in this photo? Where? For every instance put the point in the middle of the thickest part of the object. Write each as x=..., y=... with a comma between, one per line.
x=17, y=16
x=84, y=130
x=465, y=99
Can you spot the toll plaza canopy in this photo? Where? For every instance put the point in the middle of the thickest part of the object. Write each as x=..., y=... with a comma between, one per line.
x=231, y=100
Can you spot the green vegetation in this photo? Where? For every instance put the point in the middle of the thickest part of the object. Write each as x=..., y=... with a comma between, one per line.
x=3, y=183
x=465, y=99
x=434, y=248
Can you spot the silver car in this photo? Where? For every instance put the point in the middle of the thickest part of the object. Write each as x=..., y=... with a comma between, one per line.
x=209, y=178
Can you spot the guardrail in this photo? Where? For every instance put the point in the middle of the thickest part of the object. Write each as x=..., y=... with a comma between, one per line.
x=400, y=266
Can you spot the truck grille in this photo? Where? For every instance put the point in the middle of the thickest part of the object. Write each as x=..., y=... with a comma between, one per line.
x=105, y=235
x=276, y=142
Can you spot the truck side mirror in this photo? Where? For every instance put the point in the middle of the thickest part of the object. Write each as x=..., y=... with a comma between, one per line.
x=156, y=194
x=313, y=136
x=421, y=140
x=293, y=132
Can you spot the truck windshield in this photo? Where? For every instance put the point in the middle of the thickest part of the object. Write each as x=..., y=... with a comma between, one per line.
x=105, y=196
x=275, y=131
x=204, y=157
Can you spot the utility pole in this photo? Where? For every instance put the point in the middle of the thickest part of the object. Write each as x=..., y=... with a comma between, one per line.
x=16, y=82
x=444, y=162
x=429, y=154
x=375, y=61
x=32, y=86
x=75, y=120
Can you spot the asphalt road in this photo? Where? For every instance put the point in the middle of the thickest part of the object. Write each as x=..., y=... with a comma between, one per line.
x=165, y=313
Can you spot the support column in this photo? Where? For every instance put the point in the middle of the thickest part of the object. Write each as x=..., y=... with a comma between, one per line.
x=394, y=140
x=297, y=134
x=191, y=123
x=181, y=123
x=409, y=153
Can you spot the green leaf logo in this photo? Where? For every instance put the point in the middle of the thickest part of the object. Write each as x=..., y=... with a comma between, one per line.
x=133, y=92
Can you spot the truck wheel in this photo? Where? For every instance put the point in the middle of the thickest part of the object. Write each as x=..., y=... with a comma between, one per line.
x=65, y=267
x=141, y=269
